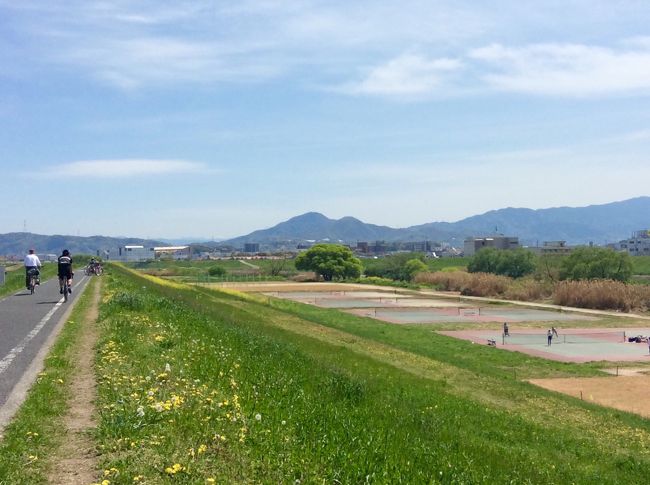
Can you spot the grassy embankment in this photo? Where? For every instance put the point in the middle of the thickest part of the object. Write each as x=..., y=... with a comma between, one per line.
x=198, y=385
x=37, y=430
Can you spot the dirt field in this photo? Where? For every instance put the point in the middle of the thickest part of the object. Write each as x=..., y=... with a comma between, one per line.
x=627, y=393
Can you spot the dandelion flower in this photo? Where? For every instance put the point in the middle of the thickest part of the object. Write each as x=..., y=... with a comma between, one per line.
x=258, y=417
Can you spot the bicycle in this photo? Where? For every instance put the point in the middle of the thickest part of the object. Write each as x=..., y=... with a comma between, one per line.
x=33, y=279
x=66, y=287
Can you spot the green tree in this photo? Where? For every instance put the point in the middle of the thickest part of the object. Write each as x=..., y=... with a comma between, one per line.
x=331, y=261
x=514, y=262
x=596, y=263
x=414, y=266
x=393, y=266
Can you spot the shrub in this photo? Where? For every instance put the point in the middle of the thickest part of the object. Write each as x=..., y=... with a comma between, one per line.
x=476, y=284
x=528, y=289
x=217, y=270
x=396, y=266
x=444, y=280
x=514, y=263
x=602, y=295
x=486, y=284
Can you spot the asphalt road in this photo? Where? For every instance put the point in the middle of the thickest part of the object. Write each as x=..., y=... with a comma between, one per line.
x=26, y=326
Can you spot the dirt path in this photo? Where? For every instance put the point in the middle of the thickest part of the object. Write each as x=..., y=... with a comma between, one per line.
x=76, y=460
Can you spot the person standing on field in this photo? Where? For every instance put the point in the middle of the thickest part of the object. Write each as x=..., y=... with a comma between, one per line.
x=549, y=337
x=506, y=330
x=554, y=332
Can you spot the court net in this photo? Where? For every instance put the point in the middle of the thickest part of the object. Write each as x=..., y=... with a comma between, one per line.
x=563, y=338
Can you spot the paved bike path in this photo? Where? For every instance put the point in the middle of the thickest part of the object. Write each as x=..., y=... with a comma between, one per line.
x=26, y=322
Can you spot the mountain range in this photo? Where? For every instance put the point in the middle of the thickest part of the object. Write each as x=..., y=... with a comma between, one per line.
x=600, y=224
x=17, y=243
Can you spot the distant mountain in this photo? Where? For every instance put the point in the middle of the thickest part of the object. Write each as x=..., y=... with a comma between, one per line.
x=17, y=243
x=576, y=225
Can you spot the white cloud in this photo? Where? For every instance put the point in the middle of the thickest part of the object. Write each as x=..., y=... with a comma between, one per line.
x=125, y=168
x=565, y=69
x=407, y=75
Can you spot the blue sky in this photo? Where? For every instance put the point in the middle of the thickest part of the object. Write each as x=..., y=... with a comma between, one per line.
x=214, y=118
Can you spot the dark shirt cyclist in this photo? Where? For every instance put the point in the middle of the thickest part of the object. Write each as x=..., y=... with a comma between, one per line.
x=65, y=270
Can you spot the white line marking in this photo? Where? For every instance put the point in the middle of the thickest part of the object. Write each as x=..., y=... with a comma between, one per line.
x=9, y=358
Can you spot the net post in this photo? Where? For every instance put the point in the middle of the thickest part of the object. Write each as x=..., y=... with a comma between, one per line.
x=624, y=339
x=503, y=338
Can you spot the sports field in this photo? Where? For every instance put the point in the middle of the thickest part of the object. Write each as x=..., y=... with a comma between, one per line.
x=570, y=345
x=409, y=307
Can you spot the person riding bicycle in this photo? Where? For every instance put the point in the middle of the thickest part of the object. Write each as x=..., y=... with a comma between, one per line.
x=92, y=266
x=65, y=270
x=32, y=263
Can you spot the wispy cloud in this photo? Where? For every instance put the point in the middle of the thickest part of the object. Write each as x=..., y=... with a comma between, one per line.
x=566, y=69
x=409, y=75
x=559, y=70
x=125, y=168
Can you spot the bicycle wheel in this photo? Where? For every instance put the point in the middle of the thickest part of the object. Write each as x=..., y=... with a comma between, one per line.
x=65, y=291
x=32, y=285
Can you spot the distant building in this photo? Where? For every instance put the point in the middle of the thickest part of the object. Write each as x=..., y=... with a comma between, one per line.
x=251, y=247
x=474, y=244
x=637, y=245
x=173, y=252
x=552, y=247
x=135, y=253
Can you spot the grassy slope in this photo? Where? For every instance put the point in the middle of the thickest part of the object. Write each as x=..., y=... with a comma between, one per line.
x=333, y=405
x=36, y=430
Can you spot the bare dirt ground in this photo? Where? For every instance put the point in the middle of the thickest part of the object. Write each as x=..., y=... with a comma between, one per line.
x=76, y=460
x=627, y=393
x=287, y=286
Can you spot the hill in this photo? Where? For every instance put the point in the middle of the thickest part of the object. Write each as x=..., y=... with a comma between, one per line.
x=577, y=225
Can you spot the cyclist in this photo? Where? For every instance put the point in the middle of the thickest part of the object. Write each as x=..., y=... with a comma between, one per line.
x=65, y=270
x=92, y=266
x=31, y=262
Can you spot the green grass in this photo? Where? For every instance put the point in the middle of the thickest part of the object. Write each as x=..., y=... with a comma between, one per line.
x=244, y=392
x=236, y=269
x=640, y=265
x=36, y=431
x=442, y=264
x=15, y=280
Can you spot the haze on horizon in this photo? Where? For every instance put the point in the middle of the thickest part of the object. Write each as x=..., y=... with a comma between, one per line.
x=213, y=119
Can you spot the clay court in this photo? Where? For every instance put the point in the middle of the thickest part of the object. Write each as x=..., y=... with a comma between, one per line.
x=627, y=393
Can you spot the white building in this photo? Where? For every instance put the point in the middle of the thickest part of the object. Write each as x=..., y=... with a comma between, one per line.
x=637, y=245
x=135, y=253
